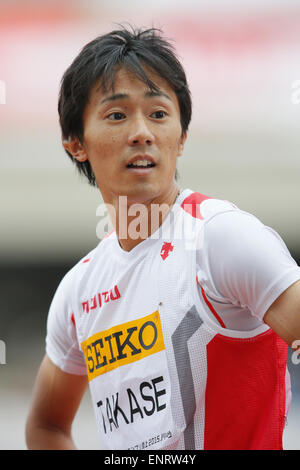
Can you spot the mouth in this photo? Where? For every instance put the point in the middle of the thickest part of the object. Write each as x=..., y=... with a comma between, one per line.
x=141, y=163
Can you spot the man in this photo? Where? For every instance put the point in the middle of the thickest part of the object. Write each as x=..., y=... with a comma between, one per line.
x=179, y=319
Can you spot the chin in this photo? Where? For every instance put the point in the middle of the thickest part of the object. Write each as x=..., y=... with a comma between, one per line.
x=142, y=193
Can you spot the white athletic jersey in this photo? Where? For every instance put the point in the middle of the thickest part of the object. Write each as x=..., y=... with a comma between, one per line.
x=155, y=329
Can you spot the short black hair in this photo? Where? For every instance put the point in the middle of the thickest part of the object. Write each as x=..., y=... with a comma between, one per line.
x=132, y=48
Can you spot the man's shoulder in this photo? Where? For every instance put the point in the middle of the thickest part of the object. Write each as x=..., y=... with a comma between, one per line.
x=204, y=207
x=82, y=266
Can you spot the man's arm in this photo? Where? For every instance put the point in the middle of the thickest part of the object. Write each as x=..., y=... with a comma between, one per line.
x=56, y=398
x=284, y=315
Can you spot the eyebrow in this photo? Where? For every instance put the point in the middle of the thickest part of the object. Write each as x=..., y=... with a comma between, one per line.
x=124, y=96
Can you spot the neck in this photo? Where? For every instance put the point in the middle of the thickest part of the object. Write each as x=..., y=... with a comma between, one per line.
x=134, y=222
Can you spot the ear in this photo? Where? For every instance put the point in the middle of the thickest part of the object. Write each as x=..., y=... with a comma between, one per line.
x=181, y=144
x=75, y=148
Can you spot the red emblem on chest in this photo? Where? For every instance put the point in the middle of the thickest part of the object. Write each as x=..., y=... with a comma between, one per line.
x=165, y=250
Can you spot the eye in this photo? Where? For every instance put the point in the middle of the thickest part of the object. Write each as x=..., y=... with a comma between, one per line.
x=117, y=116
x=159, y=114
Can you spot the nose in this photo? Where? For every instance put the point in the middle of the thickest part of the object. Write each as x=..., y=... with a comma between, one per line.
x=140, y=133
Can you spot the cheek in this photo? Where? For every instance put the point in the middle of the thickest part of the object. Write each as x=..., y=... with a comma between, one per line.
x=96, y=133
x=175, y=137
x=100, y=144
x=173, y=145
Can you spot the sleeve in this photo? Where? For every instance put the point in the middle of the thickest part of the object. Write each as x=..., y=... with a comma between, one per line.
x=62, y=345
x=244, y=262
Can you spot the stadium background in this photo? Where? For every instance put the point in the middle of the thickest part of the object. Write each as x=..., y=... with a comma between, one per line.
x=242, y=61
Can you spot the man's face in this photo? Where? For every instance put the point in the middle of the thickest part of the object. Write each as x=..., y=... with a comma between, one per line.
x=132, y=138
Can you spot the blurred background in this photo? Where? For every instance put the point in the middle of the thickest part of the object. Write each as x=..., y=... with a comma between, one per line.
x=243, y=66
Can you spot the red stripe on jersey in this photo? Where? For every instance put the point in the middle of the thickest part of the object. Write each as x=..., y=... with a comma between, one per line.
x=191, y=204
x=211, y=308
x=73, y=319
x=245, y=393
x=86, y=260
